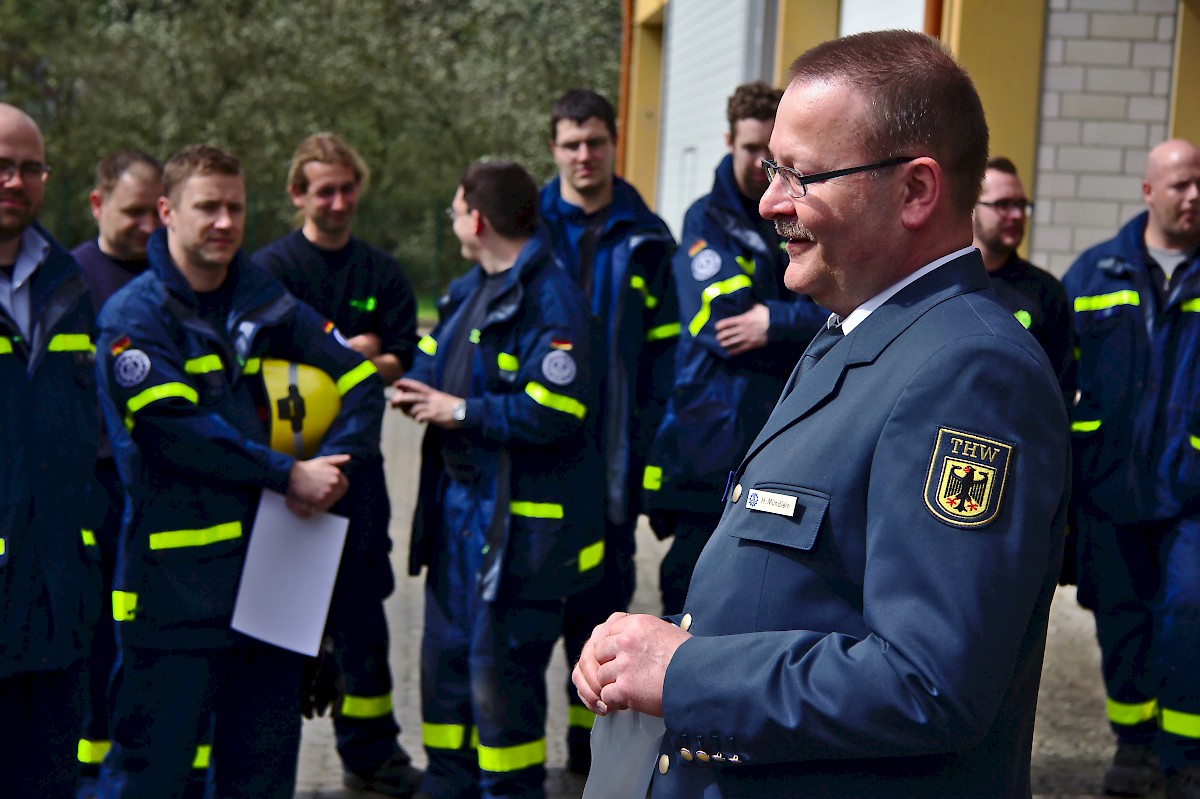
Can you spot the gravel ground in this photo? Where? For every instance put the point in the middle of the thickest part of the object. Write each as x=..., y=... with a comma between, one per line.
x=1072, y=743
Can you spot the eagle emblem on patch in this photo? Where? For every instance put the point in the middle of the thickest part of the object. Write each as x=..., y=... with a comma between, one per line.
x=965, y=483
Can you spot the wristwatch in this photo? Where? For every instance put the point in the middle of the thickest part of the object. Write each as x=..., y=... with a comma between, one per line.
x=460, y=412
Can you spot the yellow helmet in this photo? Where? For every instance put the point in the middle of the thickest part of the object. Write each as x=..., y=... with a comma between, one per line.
x=304, y=402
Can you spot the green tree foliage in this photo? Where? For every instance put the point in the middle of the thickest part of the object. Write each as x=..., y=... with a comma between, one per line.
x=419, y=87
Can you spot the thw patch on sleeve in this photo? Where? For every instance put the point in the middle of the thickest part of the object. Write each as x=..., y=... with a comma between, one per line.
x=965, y=483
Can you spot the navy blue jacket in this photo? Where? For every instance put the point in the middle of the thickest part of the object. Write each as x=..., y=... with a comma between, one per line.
x=49, y=575
x=184, y=406
x=1136, y=428
x=530, y=429
x=643, y=326
x=723, y=268
x=869, y=616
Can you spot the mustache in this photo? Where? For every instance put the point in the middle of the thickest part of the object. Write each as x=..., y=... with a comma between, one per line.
x=792, y=229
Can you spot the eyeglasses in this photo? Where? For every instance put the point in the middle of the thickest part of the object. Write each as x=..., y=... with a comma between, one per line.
x=1023, y=207
x=451, y=213
x=30, y=170
x=796, y=183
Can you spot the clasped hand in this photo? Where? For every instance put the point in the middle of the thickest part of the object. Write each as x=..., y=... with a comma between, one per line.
x=624, y=663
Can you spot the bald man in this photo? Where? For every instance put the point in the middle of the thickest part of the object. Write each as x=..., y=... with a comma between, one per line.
x=49, y=583
x=1136, y=436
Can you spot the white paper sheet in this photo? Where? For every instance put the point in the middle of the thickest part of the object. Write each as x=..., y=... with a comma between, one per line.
x=625, y=747
x=287, y=579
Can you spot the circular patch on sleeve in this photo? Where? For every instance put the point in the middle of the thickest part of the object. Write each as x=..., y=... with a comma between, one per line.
x=559, y=367
x=131, y=368
x=705, y=264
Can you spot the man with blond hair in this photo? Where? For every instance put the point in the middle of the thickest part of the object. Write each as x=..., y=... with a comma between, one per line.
x=1137, y=478
x=363, y=290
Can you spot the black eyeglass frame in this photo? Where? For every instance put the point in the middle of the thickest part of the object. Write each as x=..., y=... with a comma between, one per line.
x=1008, y=206
x=29, y=170
x=792, y=176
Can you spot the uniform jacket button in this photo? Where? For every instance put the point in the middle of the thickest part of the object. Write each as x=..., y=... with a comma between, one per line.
x=685, y=753
x=702, y=756
x=664, y=763
x=685, y=623
x=737, y=493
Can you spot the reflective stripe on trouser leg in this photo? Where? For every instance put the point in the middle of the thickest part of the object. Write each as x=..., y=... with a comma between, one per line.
x=1177, y=646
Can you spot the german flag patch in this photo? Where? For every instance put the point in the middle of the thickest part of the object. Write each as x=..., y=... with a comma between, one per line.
x=120, y=345
x=965, y=483
x=561, y=344
x=696, y=248
x=329, y=326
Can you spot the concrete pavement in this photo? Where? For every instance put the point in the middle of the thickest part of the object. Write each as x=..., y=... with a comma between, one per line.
x=1072, y=743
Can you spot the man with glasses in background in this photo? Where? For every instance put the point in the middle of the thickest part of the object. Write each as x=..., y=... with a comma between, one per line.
x=1034, y=296
x=49, y=580
x=870, y=615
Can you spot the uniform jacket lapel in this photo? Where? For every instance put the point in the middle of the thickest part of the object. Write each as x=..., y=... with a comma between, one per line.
x=865, y=343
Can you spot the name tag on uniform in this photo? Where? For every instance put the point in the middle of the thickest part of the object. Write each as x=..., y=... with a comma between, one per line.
x=770, y=502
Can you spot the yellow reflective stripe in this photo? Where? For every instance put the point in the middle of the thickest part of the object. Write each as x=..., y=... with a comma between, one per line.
x=124, y=605
x=1128, y=715
x=710, y=293
x=427, y=345
x=474, y=337
x=507, y=363
x=355, y=376
x=747, y=264
x=71, y=342
x=1191, y=306
x=638, y=283
x=177, y=539
x=253, y=366
x=366, y=707
x=1098, y=302
x=1087, y=426
x=3, y=545
x=652, y=478
x=203, y=752
x=162, y=391
x=591, y=556
x=1024, y=318
x=89, y=537
x=580, y=717
x=92, y=752
x=512, y=758
x=5, y=346
x=1177, y=722
x=559, y=402
x=444, y=736
x=536, y=510
x=203, y=365
x=663, y=331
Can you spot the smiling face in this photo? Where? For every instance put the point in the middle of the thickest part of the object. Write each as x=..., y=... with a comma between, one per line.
x=205, y=222
x=838, y=235
x=128, y=214
x=328, y=201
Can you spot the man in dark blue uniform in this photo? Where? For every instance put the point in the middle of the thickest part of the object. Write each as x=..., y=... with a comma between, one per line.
x=619, y=253
x=362, y=289
x=49, y=579
x=859, y=624
x=1137, y=474
x=509, y=511
x=181, y=352
x=742, y=331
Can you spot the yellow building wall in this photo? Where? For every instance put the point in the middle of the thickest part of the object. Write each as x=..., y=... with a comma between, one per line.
x=640, y=166
x=1004, y=60
x=802, y=24
x=1185, y=110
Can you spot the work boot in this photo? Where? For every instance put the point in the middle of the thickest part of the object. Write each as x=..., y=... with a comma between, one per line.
x=1134, y=771
x=396, y=776
x=1184, y=784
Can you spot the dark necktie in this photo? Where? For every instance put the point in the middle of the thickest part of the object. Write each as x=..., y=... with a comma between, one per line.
x=822, y=343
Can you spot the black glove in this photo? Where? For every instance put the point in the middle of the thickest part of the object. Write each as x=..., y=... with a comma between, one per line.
x=320, y=685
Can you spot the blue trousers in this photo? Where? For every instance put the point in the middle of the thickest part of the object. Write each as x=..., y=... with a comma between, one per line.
x=483, y=672
x=40, y=713
x=1143, y=583
x=167, y=702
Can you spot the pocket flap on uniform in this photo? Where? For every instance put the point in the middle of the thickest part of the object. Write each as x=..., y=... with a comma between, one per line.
x=785, y=515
